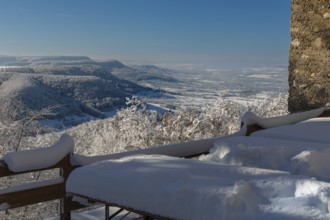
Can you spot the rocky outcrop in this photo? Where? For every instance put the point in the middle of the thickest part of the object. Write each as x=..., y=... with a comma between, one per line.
x=309, y=57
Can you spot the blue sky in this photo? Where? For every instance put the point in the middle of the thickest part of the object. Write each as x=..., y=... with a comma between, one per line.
x=173, y=32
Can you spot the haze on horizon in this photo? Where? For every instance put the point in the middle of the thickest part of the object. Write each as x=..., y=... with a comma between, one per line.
x=168, y=32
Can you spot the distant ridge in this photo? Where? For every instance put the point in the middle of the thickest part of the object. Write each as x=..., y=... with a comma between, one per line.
x=32, y=94
x=78, y=84
x=39, y=60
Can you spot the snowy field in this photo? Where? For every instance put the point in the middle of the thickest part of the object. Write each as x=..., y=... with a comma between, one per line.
x=244, y=85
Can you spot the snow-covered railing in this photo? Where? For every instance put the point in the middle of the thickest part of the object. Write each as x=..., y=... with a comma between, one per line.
x=251, y=122
x=56, y=156
x=41, y=158
x=186, y=149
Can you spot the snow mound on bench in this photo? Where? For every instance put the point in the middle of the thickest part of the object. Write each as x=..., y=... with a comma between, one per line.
x=296, y=157
x=39, y=158
x=191, y=189
x=313, y=130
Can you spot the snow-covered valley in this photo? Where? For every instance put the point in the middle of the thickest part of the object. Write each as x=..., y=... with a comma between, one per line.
x=164, y=106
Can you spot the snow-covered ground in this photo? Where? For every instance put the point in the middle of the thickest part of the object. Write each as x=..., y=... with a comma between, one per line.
x=99, y=213
x=200, y=87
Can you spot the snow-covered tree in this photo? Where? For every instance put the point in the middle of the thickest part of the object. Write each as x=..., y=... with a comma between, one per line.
x=17, y=123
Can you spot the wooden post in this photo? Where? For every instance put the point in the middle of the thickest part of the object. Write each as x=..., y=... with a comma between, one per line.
x=106, y=212
x=65, y=202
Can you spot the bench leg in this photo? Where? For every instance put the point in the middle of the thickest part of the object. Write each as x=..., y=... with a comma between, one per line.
x=65, y=214
x=106, y=211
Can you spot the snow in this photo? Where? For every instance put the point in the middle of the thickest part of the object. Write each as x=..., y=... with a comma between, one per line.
x=4, y=206
x=314, y=130
x=282, y=172
x=157, y=107
x=98, y=213
x=250, y=118
x=294, y=156
x=191, y=189
x=260, y=76
x=39, y=158
x=176, y=150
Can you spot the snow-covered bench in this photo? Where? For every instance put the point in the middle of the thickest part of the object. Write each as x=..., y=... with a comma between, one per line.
x=176, y=188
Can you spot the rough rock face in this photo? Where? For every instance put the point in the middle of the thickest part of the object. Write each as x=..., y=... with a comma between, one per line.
x=309, y=58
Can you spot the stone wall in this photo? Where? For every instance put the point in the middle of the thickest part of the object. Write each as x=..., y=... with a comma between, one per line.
x=309, y=57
